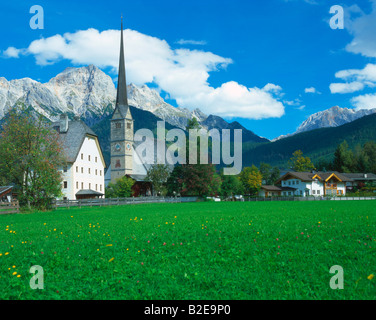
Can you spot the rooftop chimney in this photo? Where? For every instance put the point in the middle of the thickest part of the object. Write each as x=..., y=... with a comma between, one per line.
x=63, y=123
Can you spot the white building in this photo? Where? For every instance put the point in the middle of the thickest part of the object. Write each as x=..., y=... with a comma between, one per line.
x=308, y=184
x=83, y=177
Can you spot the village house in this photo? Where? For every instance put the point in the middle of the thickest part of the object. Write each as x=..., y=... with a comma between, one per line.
x=306, y=184
x=359, y=180
x=83, y=176
x=6, y=194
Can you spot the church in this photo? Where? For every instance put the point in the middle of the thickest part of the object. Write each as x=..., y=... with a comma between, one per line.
x=125, y=161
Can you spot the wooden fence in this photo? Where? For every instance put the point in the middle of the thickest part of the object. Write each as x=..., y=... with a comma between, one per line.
x=99, y=202
x=9, y=207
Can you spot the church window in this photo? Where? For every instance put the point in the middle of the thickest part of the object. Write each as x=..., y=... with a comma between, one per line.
x=128, y=125
x=118, y=125
x=117, y=165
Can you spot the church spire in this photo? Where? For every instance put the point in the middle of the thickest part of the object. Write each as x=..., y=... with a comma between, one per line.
x=121, y=97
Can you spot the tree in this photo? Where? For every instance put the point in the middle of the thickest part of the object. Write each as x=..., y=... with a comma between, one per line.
x=200, y=180
x=31, y=155
x=369, y=153
x=194, y=179
x=269, y=174
x=300, y=163
x=275, y=175
x=231, y=185
x=174, y=183
x=122, y=188
x=158, y=175
x=251, y=179
x=343, y=158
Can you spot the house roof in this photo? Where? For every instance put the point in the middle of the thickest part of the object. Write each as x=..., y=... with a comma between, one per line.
x=271, y=188
x=361, y=176
x=88, y=192
x=73, y=139
x=6, y=189
x=276, y=188
x=309, y=176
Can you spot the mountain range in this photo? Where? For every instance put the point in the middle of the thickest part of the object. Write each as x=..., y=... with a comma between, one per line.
x=89, y=93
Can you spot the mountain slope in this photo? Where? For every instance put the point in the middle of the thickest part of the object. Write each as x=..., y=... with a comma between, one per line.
x=318, y=144
x=89, y=93
x=333, y=117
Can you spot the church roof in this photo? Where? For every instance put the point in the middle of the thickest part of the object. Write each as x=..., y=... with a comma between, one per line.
x=121, y=95
x=73, y=138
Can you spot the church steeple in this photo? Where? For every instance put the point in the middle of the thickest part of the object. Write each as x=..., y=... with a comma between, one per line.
x=122, y=126
x=121, y=97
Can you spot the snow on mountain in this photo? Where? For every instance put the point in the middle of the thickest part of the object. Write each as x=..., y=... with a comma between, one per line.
x=332, y=117
x=89, y=93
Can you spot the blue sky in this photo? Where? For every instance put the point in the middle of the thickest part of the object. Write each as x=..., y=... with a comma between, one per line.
x=267, y=64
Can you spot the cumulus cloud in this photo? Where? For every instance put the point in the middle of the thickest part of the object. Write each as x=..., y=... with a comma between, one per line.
x=367, y=101
x=347, y=87
x=311, y=90
x=356, y=79
x=181, y=73
x=11, y=52
x=362, y=27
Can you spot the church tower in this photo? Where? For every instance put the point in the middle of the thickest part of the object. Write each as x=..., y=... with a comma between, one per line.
x=121, y=125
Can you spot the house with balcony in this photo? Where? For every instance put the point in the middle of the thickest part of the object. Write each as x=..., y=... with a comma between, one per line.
x=306, y=184
x=359, y=181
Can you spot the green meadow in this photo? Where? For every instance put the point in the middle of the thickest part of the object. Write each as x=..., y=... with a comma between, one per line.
x=204, y=250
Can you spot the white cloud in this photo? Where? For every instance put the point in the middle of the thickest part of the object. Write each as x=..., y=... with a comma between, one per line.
x=192, y=42
x=183, y=74
x=363, y=29
x=311, y=90
x=356, y=79
x=367, y=101
x=347, y=87
x=11, y=52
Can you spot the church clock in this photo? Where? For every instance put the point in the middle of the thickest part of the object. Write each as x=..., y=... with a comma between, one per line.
x=117, y=147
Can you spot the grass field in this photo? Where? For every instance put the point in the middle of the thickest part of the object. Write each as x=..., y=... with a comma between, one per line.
x=241, y=250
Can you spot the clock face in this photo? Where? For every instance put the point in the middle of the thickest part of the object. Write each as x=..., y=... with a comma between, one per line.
x=128, y=146
x=117, y=147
